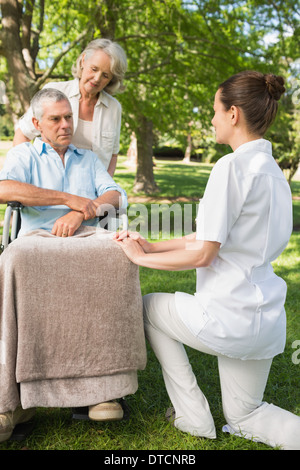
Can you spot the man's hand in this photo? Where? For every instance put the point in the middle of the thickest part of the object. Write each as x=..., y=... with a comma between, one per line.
x=67, y=225
x=88, y=207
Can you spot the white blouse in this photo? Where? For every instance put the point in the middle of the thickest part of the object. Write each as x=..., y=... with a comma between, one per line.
x=82, y=137
x=238, y=307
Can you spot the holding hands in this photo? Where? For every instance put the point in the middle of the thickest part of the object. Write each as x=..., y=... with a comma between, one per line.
x=133, y=244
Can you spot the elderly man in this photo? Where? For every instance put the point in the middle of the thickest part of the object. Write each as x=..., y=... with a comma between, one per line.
x=51, y=172
x=62, y=189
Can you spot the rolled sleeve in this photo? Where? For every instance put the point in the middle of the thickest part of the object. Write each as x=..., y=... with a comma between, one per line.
x=104, y=183
x=17, y=165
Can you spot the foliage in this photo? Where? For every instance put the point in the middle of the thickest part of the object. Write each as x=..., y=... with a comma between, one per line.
x=6, y=126
x=285, y=136
x=178, y=52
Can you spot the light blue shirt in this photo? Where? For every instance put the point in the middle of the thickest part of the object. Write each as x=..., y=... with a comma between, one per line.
x=38, y=164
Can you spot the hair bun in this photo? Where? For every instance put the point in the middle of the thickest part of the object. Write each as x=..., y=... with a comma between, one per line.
x=275, y=85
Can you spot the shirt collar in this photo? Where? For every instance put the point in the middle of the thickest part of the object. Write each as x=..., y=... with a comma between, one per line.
x=76, y=150
x=262, y=145
x=75, y=91
x=103, y=98
x=74, y=88
x=42, y=147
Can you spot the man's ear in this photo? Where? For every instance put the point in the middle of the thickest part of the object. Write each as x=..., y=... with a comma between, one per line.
x=36, y=123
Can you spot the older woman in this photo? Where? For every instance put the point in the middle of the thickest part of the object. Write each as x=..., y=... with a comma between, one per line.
x=98, y=73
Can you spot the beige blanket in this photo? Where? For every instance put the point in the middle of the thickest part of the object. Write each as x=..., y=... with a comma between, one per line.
x=70, y=308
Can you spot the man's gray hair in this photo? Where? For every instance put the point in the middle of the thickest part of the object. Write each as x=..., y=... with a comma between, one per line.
x=46, y=94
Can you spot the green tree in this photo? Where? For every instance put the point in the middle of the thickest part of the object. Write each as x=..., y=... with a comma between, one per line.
x=178, y=51
x=280, y=19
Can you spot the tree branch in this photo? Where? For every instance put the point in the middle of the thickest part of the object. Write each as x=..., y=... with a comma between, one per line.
x=36, y=34
x=185, y=38
x=48, y=72
x=25, y=22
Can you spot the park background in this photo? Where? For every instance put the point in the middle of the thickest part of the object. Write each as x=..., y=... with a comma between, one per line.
x=178, y=52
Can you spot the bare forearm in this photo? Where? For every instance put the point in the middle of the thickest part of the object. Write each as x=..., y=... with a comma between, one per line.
x=30, y=195
x=194, y=254
x=177, y=260
x=19, y=138
x=172, y=245
x=107, y=200
x=112, y=165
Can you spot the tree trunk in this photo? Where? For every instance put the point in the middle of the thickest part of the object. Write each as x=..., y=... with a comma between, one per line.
x=144, y=180
x=12, y=47
x=132, y=152
x=188, y=150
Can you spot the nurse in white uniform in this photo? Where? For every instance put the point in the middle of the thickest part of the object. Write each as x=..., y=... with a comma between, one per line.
x=237, y=312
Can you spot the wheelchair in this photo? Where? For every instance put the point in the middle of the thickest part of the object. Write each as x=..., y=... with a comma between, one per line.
x=11, y=224
x=11, y=228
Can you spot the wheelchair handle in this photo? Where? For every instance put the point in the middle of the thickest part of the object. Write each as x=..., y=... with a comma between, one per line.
x=12, y=207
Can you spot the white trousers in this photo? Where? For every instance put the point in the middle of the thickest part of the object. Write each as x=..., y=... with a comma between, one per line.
x=242, y=384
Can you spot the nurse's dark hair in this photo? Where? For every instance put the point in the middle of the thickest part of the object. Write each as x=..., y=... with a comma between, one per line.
x=257, y=94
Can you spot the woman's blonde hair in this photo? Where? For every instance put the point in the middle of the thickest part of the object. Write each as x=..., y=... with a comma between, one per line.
x=118, y=62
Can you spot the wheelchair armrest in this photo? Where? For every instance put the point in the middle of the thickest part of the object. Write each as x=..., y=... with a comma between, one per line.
x=15, y=204
x=13, y=208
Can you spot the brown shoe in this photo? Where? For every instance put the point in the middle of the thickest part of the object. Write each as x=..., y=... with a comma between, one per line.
x=108, y=411
x=10, y=419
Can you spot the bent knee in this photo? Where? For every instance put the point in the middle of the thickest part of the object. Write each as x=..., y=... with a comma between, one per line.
x=157, y=309
x=240, y=411
x=156, y=303
x=147, y=300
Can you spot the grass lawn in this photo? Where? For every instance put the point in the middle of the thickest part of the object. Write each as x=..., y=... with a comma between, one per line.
x=147, y=429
